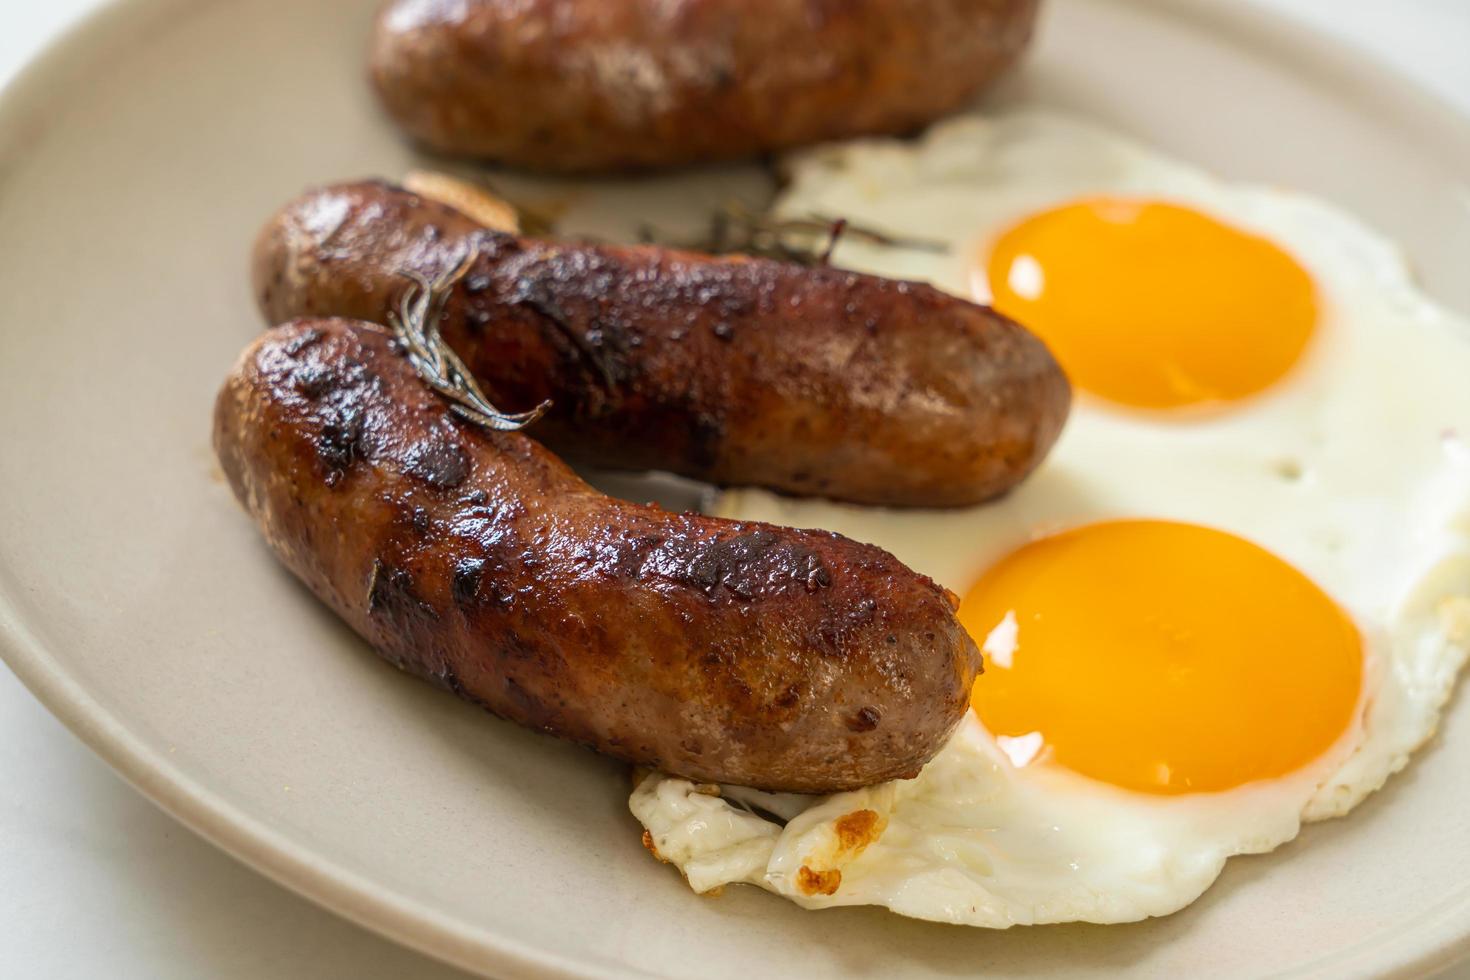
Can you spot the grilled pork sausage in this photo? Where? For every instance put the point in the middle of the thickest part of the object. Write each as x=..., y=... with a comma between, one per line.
x=578, y=85
x=732, y=370
x=715, y=650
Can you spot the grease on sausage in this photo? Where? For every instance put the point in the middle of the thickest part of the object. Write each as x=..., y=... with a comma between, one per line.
x=577, y=85
x=732, y=370
x=719, y=651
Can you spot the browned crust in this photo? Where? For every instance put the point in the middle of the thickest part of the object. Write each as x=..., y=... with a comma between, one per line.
x=736, y=371
x=576, y=85
x=714, y=650
x=856, y=830
x=651, y=847
x=811, y=882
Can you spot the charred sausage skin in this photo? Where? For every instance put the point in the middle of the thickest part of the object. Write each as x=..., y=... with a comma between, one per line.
x=579, y=85
x=732, y=370
x=715, y=650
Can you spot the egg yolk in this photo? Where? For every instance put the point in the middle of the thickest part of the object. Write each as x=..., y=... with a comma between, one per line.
x=1161, y=657
x=1153, y=305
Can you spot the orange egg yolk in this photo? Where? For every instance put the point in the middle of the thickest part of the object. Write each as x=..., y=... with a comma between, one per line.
x=1161, y=657
x=1152, y=305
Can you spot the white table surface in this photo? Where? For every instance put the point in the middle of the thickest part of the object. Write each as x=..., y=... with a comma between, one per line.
x=95, y=882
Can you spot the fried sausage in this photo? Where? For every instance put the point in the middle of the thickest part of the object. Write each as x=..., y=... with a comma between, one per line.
x=715, y=650
x=581, y=85
x=731, y=370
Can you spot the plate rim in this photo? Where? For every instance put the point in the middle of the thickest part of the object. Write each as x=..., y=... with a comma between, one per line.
x=1360, y=75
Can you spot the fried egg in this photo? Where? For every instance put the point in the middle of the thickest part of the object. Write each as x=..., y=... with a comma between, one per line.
x=1235, y=598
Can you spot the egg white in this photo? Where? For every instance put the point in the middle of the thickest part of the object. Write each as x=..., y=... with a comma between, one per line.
x=1355, y=469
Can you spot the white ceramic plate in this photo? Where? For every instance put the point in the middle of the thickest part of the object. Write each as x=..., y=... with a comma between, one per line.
x=137, y=159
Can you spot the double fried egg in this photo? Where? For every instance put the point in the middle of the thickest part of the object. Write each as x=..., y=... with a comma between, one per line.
x=1235, y=598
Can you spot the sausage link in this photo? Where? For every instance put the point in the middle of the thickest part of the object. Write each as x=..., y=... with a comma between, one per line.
x=578, y=85
x=731, y=370
x=715, y=650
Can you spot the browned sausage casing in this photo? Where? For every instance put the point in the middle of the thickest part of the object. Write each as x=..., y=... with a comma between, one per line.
x=737, y=371
x=576, y=85
x=715, y=650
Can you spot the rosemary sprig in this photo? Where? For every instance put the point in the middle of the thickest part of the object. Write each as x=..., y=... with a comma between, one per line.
x=807, y=241
x=416, y=325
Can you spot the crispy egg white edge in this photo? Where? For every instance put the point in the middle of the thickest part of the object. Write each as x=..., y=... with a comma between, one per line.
x=715, y=842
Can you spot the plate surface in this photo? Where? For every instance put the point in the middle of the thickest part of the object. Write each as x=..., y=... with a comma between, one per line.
x=137, y=160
